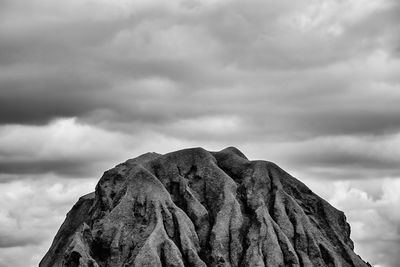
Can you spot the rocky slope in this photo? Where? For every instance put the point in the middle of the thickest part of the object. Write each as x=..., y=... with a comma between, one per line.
x=199, y=208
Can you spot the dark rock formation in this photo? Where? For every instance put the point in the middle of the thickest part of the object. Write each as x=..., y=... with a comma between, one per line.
x=198, y=208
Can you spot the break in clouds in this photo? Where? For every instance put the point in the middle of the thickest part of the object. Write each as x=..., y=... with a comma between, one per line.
x=312, y=85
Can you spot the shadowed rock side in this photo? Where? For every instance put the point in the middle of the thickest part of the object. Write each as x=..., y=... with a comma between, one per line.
x=198, y=208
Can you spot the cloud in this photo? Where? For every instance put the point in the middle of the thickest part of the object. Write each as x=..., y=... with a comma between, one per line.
x=63, y=146
x=73, y=149
x=347, y=157
x=31, y=212
x=277, y=66
x=375, y=222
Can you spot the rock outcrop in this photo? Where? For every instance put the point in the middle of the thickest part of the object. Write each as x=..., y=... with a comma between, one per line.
x=199, y=208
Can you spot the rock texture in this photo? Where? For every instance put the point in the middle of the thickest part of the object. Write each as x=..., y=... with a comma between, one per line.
x=199, y=208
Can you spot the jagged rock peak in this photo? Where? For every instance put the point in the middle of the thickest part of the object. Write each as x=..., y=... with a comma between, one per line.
x=198, y=208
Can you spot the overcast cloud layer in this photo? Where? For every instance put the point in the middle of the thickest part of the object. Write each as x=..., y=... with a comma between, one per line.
x=312, y=85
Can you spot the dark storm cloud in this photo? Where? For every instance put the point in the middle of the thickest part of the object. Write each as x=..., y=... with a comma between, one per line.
x=77, y=168
x=280, y=71
x=60, y=64
x=10, y=240
x=335, y=158
x=34, y=101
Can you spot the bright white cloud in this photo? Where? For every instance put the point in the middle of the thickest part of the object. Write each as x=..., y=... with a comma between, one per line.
x=374, y=221
x=58, y=139
x=31, y=211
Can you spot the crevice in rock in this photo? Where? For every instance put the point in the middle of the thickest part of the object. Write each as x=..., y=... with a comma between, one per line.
x=177, y=240
x=249, y=216
x=73, y=259
x=328, y=259
x=163, y=261
x=101, y=252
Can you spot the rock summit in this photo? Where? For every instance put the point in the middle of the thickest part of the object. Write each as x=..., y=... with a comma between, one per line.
x=198, y=208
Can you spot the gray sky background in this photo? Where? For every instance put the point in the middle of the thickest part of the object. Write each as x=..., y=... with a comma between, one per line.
x=312, y=85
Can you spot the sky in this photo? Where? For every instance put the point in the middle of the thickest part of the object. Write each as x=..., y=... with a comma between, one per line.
x=312, y=85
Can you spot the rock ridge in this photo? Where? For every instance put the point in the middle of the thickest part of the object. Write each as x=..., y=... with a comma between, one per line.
x=199, y=208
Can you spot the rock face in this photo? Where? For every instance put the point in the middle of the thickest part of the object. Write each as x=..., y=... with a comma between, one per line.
x=199, y=208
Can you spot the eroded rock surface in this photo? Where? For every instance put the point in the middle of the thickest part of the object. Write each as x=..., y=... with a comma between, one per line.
x=199, y=208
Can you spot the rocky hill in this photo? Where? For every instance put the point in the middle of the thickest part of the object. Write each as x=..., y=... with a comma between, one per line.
x=199, y=208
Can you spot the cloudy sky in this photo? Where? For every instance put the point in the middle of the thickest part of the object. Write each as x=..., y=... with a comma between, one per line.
x=312, y=85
